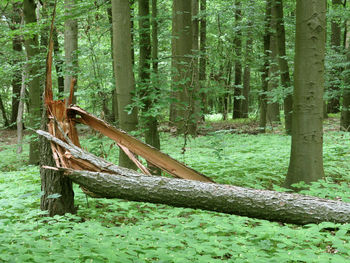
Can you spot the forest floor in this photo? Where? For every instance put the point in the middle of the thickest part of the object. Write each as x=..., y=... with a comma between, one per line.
x=113, y=230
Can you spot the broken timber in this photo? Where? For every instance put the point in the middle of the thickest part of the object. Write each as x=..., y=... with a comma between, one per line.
x=118, y=182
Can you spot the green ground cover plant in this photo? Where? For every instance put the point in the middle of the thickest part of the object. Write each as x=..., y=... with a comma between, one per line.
x=121, y=231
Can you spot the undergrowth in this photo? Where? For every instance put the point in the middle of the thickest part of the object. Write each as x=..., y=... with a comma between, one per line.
x=121, y=231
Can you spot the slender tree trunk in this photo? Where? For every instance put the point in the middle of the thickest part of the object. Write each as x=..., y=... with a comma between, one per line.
x=70, y=46
x=283, y=64
x=58, y=62
x=182, y=50
x=21, y=111
x=195, y=99
x=265, y=69
x=273, y=107
x=345, y=113
x=246, y=72
x=32, y=50
x=238, y=65
x=333, y=105
x=146, y=89
x=3, y=111
x=114, y=94
x=203, y=57
x=124, y=75
x=17, y=76
x=306, y=163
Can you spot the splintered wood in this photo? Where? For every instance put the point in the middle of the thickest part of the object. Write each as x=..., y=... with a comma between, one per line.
x=66, y=150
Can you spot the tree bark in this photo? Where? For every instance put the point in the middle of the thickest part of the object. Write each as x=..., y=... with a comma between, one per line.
x=17, y=76
x=283, y=64
x=124, y=75
x=20, y=112
x=265, y=69
x=146, y=89
x=32, y=49
x=182, y=51
x=345, y=112
x=237, y=113
x=3, y=111
x=203, y=57
x=306, y=163
x=262, y=204
x=333, y=105
x=70, y=47
x=246, y=72
x=58, y=62
x=273, y=107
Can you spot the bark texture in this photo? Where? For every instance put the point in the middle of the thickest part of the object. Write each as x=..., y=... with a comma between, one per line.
x=334, y=102
x=124, y=75
x=32, y=49
x=237, y=101
x=265, y=69
x=181, y=61
x=306, y=163
x=345, y=112
x=283, y=64
x=262, y=204
x=70, y=45
x=203, y=58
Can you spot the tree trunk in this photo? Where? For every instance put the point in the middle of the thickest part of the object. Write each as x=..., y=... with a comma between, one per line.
x=203, y=57
x=283, y=64
x=124, y=75
x=182, y=51
x=17, y=76
x=306, y=163
x=58, y=194
x=262, y=204
x=246, y=72
x=333, y=105
x=3, y=111
x=345, y=113
x=195, y=99
x=238, y=65
x=265, y=69
x=58, y=62
x=70, y=46
x=20, y=112
x=114, y=94
x=146, y=90
x=32, y=49
x=273, y=107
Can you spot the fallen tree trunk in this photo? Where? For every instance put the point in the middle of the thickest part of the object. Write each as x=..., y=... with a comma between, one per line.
x=262, y=204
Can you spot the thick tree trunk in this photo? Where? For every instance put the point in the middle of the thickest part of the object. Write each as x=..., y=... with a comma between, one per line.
x=306, y=163
x=182, y=51
x=262, y=204
x=58, y=194
x=70, y=46
x=333, y=105
x=124, y=75
x=203, y=57
x=283, y=64
x=237, y=113
x=265, y=69
x=32, y=49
